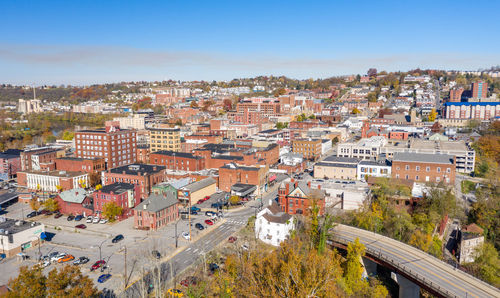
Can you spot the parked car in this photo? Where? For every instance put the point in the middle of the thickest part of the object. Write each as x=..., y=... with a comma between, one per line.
x=244, y=246
x=185, y=235
x=117, y=238
x=200, y=202
x=45, y=263
x=190, y=280
x=32, y=214
x=103, y=221
x=66, y=258
x=216, y=205
x=58, y=257
x=209, y=213
x=89, y=219
x=98, y=265
x=199, y=226
x=103, y=278
x=81, y=226
x=232, y=239
x=52, y=254
x=71, y=217
x=209, y=222
x=96, y=219
x=195, y=209
x=206, y=198
x=213, y=267
x=78, y=217
x=156, y=254
x=194, y=213
x=81, y=261
x=175, y=293
x=58, y=214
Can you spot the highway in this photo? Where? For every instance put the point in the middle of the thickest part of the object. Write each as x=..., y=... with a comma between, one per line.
x=422, y=267
x=234, y=221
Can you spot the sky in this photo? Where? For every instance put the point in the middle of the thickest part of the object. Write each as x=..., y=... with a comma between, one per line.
x=86, y=42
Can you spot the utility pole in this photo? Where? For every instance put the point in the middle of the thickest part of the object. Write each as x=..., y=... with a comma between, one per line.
x=189, y=217
x=126, y=274
x=176, y=233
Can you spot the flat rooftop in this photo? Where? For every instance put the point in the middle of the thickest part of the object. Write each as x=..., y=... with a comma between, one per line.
x=9, y=225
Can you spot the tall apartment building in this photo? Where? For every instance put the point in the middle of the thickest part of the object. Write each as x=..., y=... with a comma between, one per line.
x=479, y=90
x=472, y=110
x=456, y=94
x=164, y=137
x=117, y=146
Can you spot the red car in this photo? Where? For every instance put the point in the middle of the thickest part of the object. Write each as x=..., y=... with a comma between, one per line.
x=81, y=226
x=98, y=265
x=206, y=198
x=209, y=222
x=190, y=280
x=232, y=239
x=200, y=201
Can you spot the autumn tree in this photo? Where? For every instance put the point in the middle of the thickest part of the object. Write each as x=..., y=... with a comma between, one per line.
x=68, y=135
x=432, y=115
x=35, y=204
x=51, y=205
x=111, y=210
x=94, y=179
x=29, y=283
x=486, y=264
x=234, y=200
x=70, y=282
x=355, y=111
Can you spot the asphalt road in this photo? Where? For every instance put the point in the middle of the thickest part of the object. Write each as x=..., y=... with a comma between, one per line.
x=438, y=275
x=234, y=221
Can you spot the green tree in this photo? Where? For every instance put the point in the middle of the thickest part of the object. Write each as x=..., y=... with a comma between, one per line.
x=111, y=210
x=486, y=264
x=68, y=135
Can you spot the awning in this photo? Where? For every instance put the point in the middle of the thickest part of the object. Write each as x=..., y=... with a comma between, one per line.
x=272, y=178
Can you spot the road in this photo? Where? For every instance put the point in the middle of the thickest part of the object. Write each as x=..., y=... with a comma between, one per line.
x=234, y=221
x=428, y=270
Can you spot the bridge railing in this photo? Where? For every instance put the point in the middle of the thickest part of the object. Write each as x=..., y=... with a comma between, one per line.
x=402, y=268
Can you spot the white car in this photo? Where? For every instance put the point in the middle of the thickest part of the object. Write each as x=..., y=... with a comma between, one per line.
x=45, y=263
x=186, y=235
x=96, y=220
x=58, y=257
x=89, y=219
x=103, y=221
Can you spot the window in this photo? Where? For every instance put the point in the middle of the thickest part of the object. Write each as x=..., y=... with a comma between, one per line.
x=416, y=177
x=438, y=179
x=417, y=168
x=428, y=169
x=448, y=170
x=439, y=170
x=407, y=167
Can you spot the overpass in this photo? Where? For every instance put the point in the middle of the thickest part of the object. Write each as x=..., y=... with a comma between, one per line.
x=422, y=269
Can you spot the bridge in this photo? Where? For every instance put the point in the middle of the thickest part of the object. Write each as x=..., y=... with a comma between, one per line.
x=414, y=265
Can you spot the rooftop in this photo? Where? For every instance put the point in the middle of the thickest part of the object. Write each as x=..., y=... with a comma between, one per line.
x=136, y=168
x=9, y=225
x=157, y=202
x=177, y=154
x=195, y=186
x=117, y=188
x=75, y=195
x=340, y=159
x=63, y=174
x=423, y=157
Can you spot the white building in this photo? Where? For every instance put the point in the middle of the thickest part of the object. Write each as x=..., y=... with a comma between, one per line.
x=364, y=149
x=272, y=225
x=342, y=194
x=16, y=236
x=471, y=238
x=29, y=106
x=373, y=168
x=50, y=181
x=291, y=159
x=326, y=145
x=136, y=121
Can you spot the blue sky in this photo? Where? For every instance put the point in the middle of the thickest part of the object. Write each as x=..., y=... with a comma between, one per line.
x=83, y=42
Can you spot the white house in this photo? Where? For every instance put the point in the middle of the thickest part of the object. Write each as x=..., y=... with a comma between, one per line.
x=272, y=225
x=373, y=168
x=291, y=159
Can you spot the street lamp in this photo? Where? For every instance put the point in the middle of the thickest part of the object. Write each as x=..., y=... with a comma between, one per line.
x=100, y=246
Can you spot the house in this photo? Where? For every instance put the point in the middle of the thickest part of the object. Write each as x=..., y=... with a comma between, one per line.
x=292, y=163
x=336, y=167
x=172, y=186
x=76, y=201
x=196, y=191
x=379, y=168
x=471, y=237
x=297, y=197
x=157, y=211
x=125, y=195
x=272, y=225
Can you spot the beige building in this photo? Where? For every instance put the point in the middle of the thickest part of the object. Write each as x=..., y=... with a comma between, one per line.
x=335, y=167
x=136, y=121
x=309, y=148
x=17, y=235
x=196, y=191
x=164, y=137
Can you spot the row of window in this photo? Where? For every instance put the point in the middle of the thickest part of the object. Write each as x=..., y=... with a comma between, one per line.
x=427, y=178
x=427, y=169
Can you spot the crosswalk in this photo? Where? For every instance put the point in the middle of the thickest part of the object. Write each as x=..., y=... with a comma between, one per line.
x=237, y=222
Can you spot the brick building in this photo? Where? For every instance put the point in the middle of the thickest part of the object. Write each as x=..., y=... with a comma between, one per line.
x=164, y=137
x=157, y=211
x=421, y=167
x=36, y=159
x=231, y=174
x=178, y=161
x=479, y=90
x=297, y=197
x=124, y=195
x=456, y=94
x=76, y=201
x=143, y=154
x=117, y=146
x=472, y=110
x=309, y=148
x=146, y=176
x=52, y=181
x=76, y=164
x=10, y=164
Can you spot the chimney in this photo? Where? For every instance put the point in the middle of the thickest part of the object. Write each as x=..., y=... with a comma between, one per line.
x=293, y=180
x=309, y=184
x=287, y=189
x=296, y=184
x=319, y=186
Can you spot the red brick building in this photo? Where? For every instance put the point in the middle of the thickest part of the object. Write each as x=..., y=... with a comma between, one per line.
x=143, y=154
x=423, y=168
x=269, y=155
x=76, y=164
x=456, y=95
x=125, y=195
x=297, y=197
x=34, y=160
x=10, y=163
x=157, y=211
x=117, y=146
x=146, y=176
x=75, y=202
x=231, y=174
x=179, y=161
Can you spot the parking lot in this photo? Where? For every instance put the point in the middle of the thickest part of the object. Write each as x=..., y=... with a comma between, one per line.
x=95, y=241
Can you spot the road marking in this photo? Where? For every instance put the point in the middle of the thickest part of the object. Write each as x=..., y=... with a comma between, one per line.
x=412, y=262
x=188, y=249
x=195, y=250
